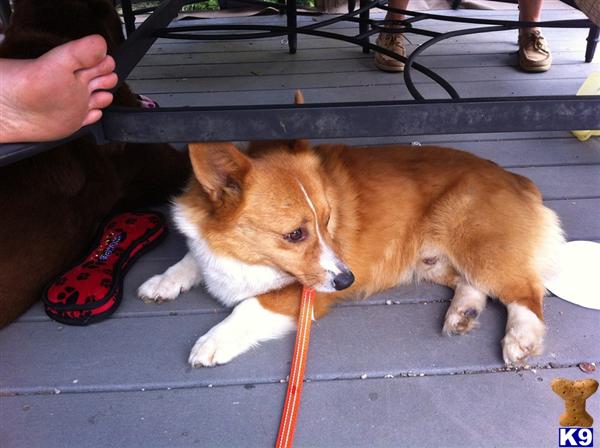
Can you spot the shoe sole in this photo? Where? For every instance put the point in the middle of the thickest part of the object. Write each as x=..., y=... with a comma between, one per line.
x=541, y=68
x=389, y=68
x=534, y=68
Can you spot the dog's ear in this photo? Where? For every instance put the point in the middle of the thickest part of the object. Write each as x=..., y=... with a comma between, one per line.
x=220, y=168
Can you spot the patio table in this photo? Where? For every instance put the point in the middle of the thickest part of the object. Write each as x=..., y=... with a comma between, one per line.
x=328, y=120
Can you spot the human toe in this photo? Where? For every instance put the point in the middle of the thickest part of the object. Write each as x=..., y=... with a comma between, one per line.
x=103, y=82
x=105, y=67
x=100, y=100
x=83, y=53
x=93, y=116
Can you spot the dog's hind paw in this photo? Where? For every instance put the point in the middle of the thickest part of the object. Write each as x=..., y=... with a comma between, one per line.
x=516, y=351
x=524, y=335
x=467, y=304
x=459, y=322
x=517, y=347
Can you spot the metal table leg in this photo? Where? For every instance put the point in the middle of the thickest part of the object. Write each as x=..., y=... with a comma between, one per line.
x=363, y=25
x=592, y=41
x=128, y=16
x=292, y=23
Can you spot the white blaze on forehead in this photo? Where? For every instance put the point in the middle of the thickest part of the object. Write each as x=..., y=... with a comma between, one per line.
x=328, y=260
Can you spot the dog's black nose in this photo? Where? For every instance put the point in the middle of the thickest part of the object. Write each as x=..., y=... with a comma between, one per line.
x=343, y=280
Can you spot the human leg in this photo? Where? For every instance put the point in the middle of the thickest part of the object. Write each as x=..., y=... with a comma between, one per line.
x=392, y=41
x=534, y=52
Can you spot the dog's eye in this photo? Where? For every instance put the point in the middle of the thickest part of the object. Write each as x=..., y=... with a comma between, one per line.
x=296, y=236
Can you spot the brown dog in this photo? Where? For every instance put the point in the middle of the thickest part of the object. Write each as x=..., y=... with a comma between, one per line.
x=52, y=203
x=352, y=221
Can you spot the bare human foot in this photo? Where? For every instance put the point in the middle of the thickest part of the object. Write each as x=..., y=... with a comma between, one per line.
x=51, y=97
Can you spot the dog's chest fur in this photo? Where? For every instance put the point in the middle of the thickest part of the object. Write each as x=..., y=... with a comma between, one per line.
x=226, y=278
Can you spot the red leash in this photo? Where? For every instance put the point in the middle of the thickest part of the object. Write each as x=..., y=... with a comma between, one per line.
x=289, y=416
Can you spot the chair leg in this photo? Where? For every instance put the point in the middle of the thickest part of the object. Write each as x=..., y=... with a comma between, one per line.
x=351, y=5
x=128, y=16
x=292, y=24
x=456, y=4
x=592, y=41
x=363, y=25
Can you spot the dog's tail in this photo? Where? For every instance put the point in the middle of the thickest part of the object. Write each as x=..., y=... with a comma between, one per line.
x=258, y=148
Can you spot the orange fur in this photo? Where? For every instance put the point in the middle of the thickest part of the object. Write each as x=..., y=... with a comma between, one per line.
x=392, y=215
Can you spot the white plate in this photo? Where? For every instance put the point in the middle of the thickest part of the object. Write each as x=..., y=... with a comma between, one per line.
x=578, y=280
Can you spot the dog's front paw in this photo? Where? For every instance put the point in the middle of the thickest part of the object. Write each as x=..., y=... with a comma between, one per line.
x=218, y=346
x=160, y=288
x=524, y=335
x=179, y=278
x=248, y=325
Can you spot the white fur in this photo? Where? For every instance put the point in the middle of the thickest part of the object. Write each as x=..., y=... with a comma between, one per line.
x=549, y=254
x=179, y=278
x=248, y=325
x=466, y=297
x=328, y=260
x=524, y=334
x=228, y=279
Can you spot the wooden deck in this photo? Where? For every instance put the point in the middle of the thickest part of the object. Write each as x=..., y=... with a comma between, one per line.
x=380, y=373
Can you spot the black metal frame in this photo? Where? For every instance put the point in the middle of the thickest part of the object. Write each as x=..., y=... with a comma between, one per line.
x=5, y=11
x=330, y=120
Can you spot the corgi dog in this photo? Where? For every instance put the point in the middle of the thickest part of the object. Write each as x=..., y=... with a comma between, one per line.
x=349, y=222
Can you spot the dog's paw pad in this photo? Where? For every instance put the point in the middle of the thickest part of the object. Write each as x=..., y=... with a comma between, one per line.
x=158, y=289
x=459, y=322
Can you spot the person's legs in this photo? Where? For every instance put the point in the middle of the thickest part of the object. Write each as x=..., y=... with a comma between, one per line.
x=398, y=4
x=391, y=41
x=51, y=97
x=534, y=53
x=530, y=10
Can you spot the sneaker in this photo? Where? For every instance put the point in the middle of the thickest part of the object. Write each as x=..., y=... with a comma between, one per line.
x=534, y=53
x=392, y=42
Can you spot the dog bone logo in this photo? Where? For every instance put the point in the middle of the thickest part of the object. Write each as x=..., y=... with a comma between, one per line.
x=575, y=393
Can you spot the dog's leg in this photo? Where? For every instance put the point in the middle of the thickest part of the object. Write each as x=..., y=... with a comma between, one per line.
x=525, y=332
x=523, y=295
x=521, y=289
x=179, y=278
x=467, y=304
x=249, y=324
x=268, y=316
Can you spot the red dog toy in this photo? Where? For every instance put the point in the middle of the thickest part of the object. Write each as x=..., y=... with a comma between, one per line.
x=91, y=290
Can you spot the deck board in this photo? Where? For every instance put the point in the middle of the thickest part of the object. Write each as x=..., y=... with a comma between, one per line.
x=125, y=382
x=396, y=91
x=349, y=342
x=425, y=411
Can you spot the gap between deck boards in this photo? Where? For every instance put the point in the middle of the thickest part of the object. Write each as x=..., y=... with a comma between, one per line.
x=396, y=374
